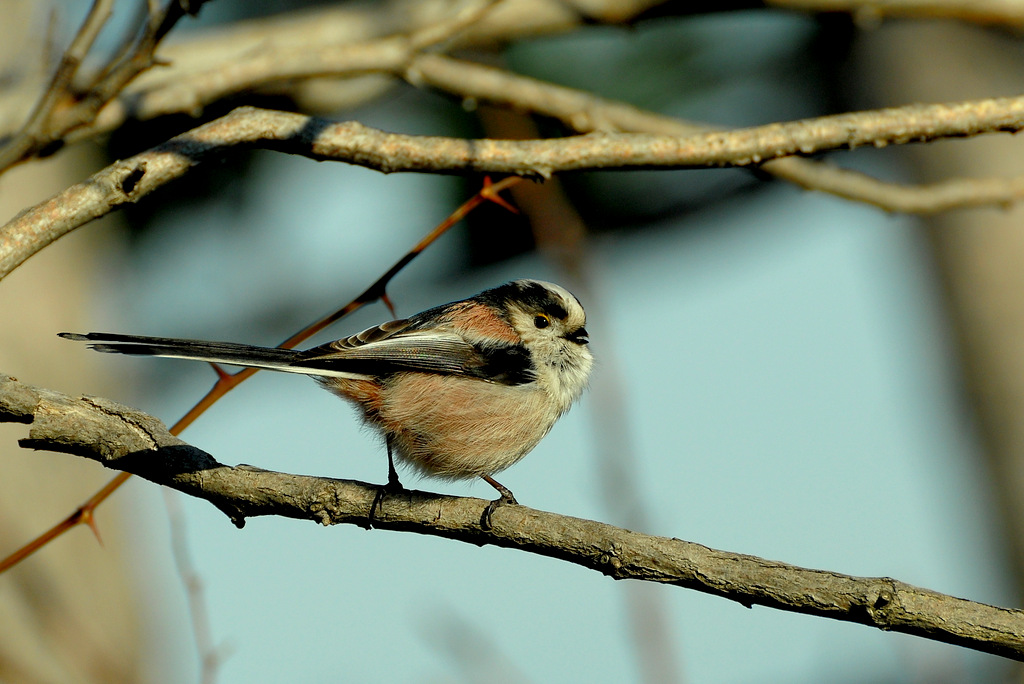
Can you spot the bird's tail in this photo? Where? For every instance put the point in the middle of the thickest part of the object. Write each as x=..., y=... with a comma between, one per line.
x=271, y=358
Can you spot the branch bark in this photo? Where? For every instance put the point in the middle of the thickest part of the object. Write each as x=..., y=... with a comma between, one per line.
x=351, y=142
x=125, y=439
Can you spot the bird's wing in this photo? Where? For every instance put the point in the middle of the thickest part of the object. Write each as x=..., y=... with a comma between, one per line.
x=399, y=346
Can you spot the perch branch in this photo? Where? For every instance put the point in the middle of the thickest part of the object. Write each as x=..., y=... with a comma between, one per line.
x=125, y=439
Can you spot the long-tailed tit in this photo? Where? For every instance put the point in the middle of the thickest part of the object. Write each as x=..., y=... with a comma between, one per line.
x=462, y=390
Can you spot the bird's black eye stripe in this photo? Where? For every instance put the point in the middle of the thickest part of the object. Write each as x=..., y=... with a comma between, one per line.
x=555, y=310
x=541, y=321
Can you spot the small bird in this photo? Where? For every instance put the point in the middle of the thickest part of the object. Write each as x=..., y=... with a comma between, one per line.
x=463, y=390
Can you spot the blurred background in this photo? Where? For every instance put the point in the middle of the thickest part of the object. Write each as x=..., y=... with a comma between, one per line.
x=779, y=373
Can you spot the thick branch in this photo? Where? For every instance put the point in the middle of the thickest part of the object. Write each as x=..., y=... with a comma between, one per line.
x=126, y=439
x=133, y=178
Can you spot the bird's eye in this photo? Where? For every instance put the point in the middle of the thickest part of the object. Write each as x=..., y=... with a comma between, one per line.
x=541, y=321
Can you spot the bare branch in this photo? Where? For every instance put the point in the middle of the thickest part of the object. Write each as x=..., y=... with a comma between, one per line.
x=927, y=198
x=585, y=112
x=329, y=41
x=305, y=45
x=125, y=439
x=133, y=178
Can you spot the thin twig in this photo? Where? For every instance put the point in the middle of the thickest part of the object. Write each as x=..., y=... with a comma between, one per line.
x=211, y=656
x=123, y=438
x=34, y=133
x=63, y=107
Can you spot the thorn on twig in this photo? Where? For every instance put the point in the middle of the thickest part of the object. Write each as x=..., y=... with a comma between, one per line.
x=490, y=195
x=387, y=302
x=86, y=516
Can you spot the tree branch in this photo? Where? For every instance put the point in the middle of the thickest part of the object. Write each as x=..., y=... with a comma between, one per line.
x=326, y=41
x=247, y=127
x=125, y=439
x=585, y=112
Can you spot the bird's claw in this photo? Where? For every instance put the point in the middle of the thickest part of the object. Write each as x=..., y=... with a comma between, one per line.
x=506, y=499
x=392, y=487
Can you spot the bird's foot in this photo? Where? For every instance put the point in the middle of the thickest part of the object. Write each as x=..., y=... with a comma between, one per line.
x=506, y=499
x=392, y=487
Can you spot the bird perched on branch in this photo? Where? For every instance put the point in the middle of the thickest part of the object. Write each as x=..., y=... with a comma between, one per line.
x=462, y=390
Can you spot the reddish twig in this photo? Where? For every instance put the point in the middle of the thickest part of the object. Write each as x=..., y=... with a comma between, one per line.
x=83, y=515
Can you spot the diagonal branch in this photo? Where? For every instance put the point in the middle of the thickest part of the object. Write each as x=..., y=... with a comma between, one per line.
x=125, y=439
x=351, y=142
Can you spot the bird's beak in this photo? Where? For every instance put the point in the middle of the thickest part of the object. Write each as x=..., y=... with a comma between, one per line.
x=579, y=336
